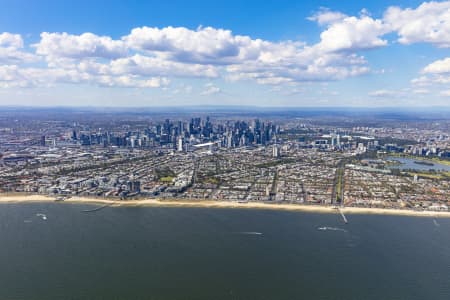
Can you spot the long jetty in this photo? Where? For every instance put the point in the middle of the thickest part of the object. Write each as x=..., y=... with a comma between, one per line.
x=97, y=208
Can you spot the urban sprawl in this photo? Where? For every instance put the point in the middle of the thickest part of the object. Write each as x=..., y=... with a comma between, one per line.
x=322, y=160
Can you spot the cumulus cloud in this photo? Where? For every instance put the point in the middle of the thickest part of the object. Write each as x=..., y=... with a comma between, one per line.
x=204, y=45
x=151, y=56
x=430, y=80
x=429, y=23
x=325, y=16
x=438, y=67
x=208, y=52
x=210, y=89
x=86, y=45
x=204, y=52
x=14, y=76
x=151, y=66
x=9, y=40
x=353, y=33
x=436, y=73
x=11, y=49
x=132, y=81
x=421, y=81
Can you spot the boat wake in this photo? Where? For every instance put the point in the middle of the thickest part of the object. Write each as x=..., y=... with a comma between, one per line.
x=250, y=233
x=42, y=216
x=331, y=229
x=436, y=223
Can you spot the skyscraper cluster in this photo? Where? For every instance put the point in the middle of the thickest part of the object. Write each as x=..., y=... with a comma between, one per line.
x=180, y=135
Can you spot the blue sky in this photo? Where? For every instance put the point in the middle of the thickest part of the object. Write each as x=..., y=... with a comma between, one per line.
x=265, y=53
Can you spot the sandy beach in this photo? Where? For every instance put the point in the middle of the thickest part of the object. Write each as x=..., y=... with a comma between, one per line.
x=9, y=198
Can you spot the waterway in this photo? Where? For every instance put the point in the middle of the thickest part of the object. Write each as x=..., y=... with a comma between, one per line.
x=211, y=253
x=409, y=163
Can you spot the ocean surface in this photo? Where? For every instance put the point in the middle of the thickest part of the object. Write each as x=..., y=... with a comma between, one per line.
x=56, y=251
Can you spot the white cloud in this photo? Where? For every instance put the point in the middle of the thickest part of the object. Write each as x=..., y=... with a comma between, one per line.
x=353, y=33
x=204, y=45
x=86, y=45
x=210, y=89
x=304, y=66
x=156, y=66
x=429, y=23
x=14, y=76
x=204, y=52
x=150, y=56
x=11, y=51
x=9, y=40
x=430, y=80
x=243, y=57
x=445, y=93
x=325, y=16
x=10, y=77
x=436, y=73
x=438, y=67
x=132, y=81
x=421, y=81
x=383, y=94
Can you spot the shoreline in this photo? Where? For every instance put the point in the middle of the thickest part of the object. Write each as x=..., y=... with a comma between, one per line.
x=223, y=204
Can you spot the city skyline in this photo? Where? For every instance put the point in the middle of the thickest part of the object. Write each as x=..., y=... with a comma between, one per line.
x=177, y=54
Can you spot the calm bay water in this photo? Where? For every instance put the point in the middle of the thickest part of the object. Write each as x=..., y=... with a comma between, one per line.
x=411, y=164
x=198, y=253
